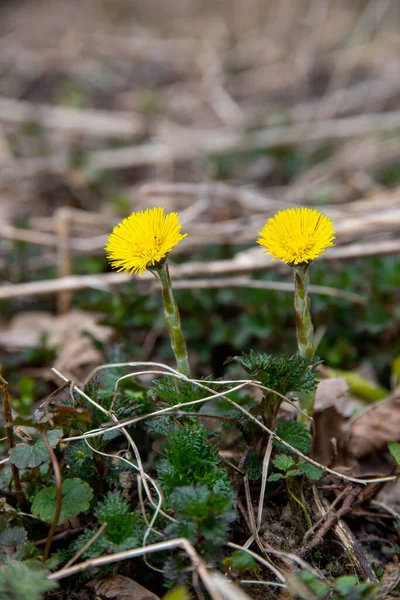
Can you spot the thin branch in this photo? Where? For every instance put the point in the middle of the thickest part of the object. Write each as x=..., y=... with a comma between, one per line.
x=5, y=397
x=353, y=549
x=85, y=546
x=267, y=458
x=261, y=560
x=190, y=144
x=331, y=517
x=99, y=123
x=240, y=264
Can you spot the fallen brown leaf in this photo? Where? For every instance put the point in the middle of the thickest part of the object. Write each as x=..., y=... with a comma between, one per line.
x=121, y=588
x=331, y=392
x=329, y=446
x=66, y=333
x=375, y=427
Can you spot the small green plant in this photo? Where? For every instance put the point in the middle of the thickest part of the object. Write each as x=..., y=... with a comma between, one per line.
x=290, y=471
x=114, y=511
x=304, y=585
x=283, y=376
x=191, y=459
x=203, y=516
x=23, y=580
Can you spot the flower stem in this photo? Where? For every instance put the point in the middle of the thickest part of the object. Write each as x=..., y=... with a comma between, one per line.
x=304, y=327
x=302, y=303
x=57, y=475
x=172, y=318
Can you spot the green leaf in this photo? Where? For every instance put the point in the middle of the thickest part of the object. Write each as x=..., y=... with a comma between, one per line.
x=275, y=477
x=282, y=374
x=178, y=593
x=394, y=449
x=94, y=549
x=283, y=462
x=314, y=473
x=292, y=473
x=295, y=434
x=304, y=585
x=201, y=513
x=188, y=392
x=13, y=538
x=27, y=456
x=253, y=465
x=345, y=583
x=163, y=425
x=395, y=549
x=80, y=461
x=23, y=581
x=76, y=498
x=242, y=561
x=190, y=459
x=114, y=510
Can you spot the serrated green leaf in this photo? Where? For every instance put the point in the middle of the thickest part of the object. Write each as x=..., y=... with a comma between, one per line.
x=283, y=462
x=394, y=449
x=282, y=374
x=190, y=459
x=114, y=510
x=295, y=434
x=275, y=477
x=313, y=472
x=76, y=498
x=253, y=465
x=163, y=425
x=201, y=511
x=292, y=473
x=12, y=538
x=27, y=456
x=188, y=392
x=21, y=581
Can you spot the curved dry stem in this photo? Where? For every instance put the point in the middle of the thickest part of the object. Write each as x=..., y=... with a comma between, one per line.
x=57, y=475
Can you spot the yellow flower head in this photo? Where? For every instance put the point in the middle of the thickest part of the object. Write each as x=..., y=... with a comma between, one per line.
x=297, y=235
x=143, y=239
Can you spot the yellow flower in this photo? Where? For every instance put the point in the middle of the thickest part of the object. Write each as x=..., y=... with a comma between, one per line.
x=143, y=239
x=297, y=235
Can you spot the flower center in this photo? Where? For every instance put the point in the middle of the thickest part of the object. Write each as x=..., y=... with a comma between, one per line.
x=147, y=246
x=299, y=244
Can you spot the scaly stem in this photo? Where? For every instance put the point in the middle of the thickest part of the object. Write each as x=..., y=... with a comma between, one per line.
x=302, y=303
x=10, y=440
x=172, y=318
x=57, y=474
x=304, y=329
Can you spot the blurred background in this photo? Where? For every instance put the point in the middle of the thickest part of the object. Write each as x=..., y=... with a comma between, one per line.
x=227, y=111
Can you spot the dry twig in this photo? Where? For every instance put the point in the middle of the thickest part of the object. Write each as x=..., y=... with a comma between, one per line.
x=5, y=397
